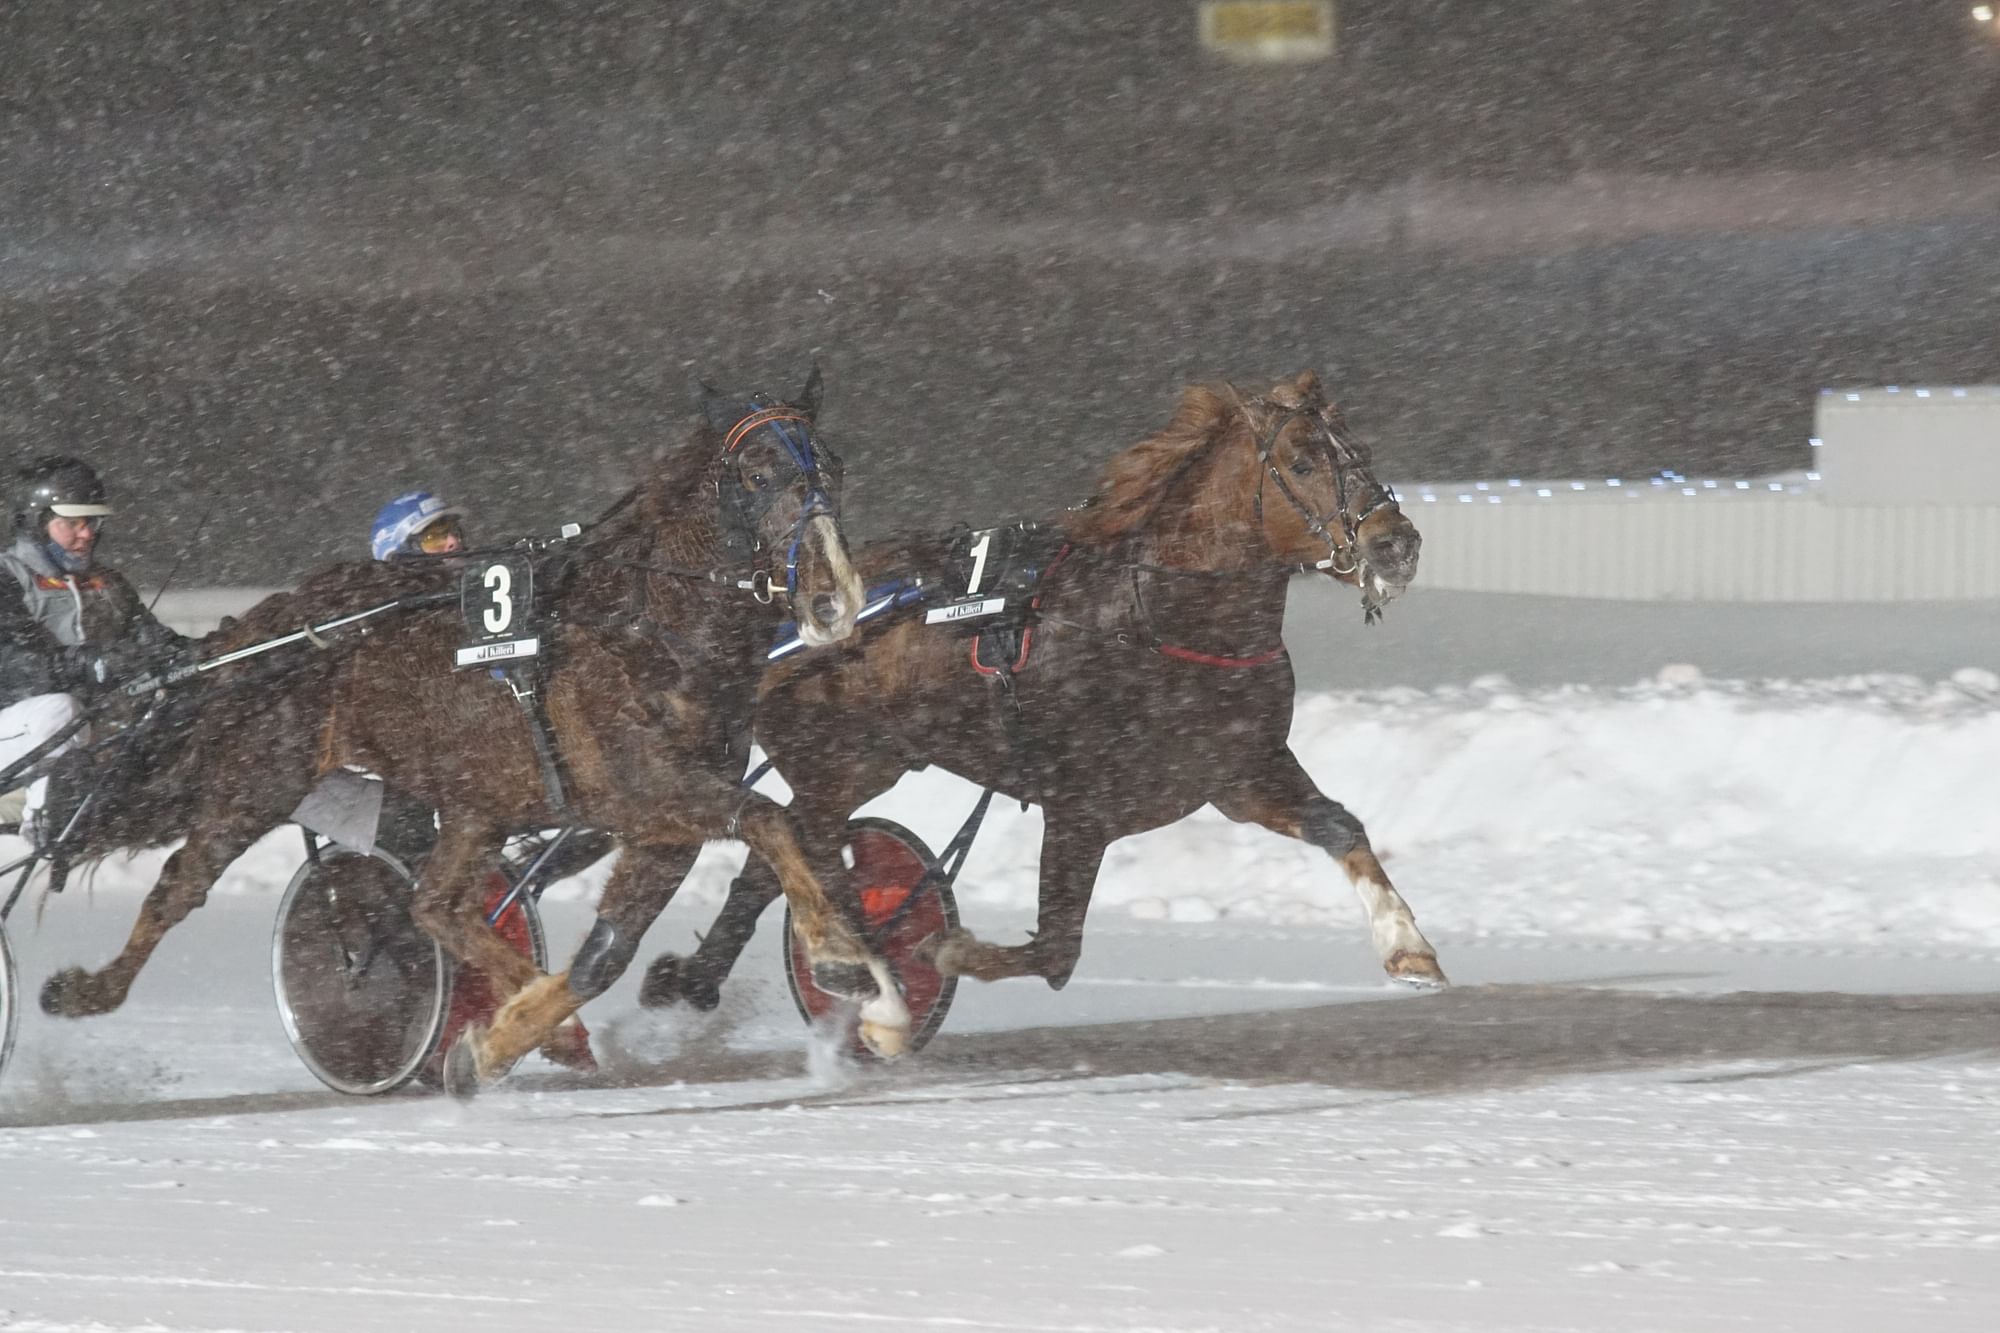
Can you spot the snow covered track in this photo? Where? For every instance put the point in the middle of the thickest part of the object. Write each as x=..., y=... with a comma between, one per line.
x=1498, y=1158
x=1721, y=1056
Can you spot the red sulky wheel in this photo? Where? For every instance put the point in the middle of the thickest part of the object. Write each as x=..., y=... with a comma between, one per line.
x=889, y=861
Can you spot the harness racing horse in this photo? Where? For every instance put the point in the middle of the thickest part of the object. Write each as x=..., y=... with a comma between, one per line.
x=650, y=661
x=648, y=702
x=1151, y=679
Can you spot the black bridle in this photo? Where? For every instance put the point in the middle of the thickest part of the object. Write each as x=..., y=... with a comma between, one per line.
x=1349, y=465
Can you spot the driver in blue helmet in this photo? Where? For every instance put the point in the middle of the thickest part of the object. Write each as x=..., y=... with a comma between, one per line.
x=416, y=523
x=420, y=523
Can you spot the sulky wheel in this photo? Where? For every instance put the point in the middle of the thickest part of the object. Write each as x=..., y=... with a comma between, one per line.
x=10, y=1013
x=361, y=988
x=889, y=861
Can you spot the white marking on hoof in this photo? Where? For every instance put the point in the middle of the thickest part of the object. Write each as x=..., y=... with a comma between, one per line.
x=885, y=1020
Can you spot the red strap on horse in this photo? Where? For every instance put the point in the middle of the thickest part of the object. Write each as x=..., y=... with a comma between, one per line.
x=1213, y=660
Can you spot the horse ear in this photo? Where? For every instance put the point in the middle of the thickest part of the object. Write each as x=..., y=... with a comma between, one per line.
x=719, y=408
x=1307, y=384
x=809, y=398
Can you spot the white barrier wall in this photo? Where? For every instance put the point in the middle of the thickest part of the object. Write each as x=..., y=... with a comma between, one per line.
x=198, y=610
x=1905, y=506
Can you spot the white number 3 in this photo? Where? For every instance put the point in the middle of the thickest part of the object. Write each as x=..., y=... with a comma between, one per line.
x=500, y=615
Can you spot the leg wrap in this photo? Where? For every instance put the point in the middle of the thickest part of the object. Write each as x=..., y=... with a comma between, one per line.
x=600, y=960
x=1328, y=825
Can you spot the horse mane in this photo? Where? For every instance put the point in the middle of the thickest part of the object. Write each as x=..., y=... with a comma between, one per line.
x=638, y=517
x=1137, y=481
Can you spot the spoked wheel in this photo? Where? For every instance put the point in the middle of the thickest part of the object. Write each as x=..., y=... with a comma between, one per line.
x=889, y=863
x=361, y=988
x=10, y=1014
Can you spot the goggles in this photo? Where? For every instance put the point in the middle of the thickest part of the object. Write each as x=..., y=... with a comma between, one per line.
x=439, y=537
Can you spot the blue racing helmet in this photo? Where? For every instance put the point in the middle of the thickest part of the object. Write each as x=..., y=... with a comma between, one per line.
x=399, y=521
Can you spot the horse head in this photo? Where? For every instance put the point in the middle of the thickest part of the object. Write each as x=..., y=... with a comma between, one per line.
x=1317, y=502
x=779, y=487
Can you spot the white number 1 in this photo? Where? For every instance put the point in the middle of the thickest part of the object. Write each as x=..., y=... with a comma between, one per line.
x=501, y=614
x=978, y=553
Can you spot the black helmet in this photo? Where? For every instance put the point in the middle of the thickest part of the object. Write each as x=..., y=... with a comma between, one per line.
x=57, y=486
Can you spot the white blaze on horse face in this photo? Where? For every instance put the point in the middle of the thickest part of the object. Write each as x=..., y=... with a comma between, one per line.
x=844, y=597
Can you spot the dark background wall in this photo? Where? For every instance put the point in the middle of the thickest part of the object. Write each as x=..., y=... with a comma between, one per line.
x=271, y=263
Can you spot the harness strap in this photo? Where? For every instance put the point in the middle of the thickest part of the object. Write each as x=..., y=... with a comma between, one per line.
x=536, y=715
x=1180, y=654
x=1216, y=660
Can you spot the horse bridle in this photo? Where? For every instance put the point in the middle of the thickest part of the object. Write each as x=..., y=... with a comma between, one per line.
x=1345, y=460
x=813, y=462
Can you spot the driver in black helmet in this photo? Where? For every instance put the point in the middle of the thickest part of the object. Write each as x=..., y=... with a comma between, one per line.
x=68, y=625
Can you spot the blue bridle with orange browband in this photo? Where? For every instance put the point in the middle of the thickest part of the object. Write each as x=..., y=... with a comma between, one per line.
x=805, y=455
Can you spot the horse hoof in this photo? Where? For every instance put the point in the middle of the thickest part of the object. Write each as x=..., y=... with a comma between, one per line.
x=940, y=951
x=461, y=1065
x=1419, y=971
x=670, y=980
x=69, y=994
x=850, y=981
x=569, y=1046
x=885, y=1019
x=885, y=1041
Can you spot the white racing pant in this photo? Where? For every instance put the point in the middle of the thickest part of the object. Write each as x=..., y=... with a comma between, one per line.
x=25, y=725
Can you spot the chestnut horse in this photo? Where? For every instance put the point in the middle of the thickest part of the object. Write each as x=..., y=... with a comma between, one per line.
x=651, y=663
x=1156, y=681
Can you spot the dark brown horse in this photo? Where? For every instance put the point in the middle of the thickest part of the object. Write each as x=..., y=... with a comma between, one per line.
x=1155, y=680
x=651, y=670
x=649, y=703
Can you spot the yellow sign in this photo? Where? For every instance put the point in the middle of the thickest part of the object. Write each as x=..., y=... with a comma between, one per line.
x=1268, y=29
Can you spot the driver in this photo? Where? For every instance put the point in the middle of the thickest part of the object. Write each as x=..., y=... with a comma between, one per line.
x=420, y=523
x=69, y=626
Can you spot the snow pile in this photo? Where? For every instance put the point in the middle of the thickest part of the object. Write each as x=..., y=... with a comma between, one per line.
x=1858, y=810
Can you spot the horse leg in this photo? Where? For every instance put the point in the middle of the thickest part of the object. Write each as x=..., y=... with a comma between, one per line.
x=823, y=795
x=841, y=963
x=181, y=888
x=1285, y=800
x=449, y=904
x=697, y=979
x=641, y=885
x=1072, y=851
